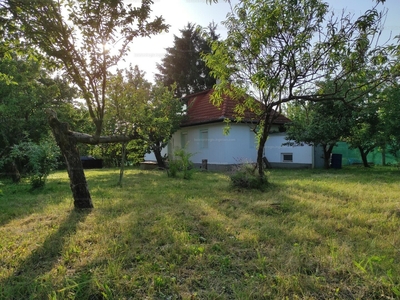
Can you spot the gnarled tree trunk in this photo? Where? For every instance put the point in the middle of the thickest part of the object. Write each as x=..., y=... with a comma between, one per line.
x=157, y=153
x=67, y=143
x=327, y=154
x=364, y=156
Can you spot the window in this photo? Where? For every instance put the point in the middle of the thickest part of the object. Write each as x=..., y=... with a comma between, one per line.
x=184, y=139
x=203, y=138
x=287, y=157
x=252, y=139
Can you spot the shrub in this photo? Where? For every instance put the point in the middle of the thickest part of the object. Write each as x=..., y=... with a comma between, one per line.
x=245, y=175
x=42, y=158
x=181, y=163
x=173, y=168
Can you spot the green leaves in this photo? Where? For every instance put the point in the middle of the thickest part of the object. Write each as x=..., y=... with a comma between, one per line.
x=82, y=39
x=40, y=158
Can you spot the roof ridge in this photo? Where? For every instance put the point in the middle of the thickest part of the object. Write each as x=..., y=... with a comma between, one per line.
x=197, y=93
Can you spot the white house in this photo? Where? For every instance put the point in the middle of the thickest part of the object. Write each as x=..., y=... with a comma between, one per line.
x=202, y=134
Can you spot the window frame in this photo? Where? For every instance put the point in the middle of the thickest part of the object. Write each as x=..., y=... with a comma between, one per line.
x=203, y=141
x=184, y=141
x=286, y=160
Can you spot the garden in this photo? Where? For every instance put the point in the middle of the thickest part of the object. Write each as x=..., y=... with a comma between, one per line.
x=311, y=234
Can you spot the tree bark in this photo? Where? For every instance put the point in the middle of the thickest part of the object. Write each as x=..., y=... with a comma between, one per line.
x=159, y=158
x=364, y=154
x=15, y=175
x=67, y=142
x=122, y=167
x=327, y=155
x=264, y=136
x=260, y=155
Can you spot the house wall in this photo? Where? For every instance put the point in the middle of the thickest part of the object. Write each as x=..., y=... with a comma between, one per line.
x=151, y=157
x=208, y=142
x=222, y=151
x=302, y=156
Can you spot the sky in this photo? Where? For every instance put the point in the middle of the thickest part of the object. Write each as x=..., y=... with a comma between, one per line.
x=147, y=52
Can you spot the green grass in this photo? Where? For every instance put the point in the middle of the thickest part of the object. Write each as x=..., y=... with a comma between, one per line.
x=313, y=234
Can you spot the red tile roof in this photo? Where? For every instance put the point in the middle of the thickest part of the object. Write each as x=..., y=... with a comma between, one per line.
x=201, y=111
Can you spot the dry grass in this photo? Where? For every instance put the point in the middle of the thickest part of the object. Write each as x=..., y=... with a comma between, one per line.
x=312, y=235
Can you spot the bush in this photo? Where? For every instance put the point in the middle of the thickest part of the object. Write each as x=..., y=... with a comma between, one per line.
x=245, y=175
x=181, y=163
x=37, y=181
x=42, y=158
x=173, y=168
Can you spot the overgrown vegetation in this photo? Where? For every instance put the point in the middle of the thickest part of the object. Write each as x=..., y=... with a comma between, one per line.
x=181, y=163
x=313, y=234
x=38, y=160
x=244, y=175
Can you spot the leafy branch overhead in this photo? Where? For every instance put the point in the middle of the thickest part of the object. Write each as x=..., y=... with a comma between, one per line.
x=280, y=51
x=86, y=37
x=150, y=110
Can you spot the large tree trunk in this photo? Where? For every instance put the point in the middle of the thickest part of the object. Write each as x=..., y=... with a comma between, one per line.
x=160, y=160
x=364, y=154
x=327, y=155
x=67, y=143
x=260, y=163
x=263, y=138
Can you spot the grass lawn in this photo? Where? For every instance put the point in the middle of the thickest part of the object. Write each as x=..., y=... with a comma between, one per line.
x=314, y=234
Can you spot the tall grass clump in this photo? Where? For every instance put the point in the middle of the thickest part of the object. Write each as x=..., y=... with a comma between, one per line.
x=181, y=163
x=245, y=175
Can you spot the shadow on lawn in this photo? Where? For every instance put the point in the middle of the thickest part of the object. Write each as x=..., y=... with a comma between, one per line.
x=41, y=261
x=18, y=200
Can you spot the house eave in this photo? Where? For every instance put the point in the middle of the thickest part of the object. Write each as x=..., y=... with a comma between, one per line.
x=219, y=120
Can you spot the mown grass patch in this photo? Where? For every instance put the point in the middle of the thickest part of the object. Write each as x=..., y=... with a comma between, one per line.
x=313, y=234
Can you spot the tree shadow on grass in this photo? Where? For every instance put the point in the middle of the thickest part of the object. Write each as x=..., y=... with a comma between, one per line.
x=41, y=261
x=19, y=200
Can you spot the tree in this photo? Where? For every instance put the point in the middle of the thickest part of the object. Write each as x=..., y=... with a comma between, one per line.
x=319, y=124
x=368, y=130
x=163, y=117
x=22, y=102
x=128, y=89
x=388, y=113
x=183, y=64
x=277, y=51
x=325, y=123
x=87, y=38
x=157, y=114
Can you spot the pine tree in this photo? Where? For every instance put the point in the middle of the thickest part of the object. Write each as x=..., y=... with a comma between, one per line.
x=183, y=64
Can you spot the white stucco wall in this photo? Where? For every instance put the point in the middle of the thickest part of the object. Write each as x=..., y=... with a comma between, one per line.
x=274, y=150
x=151, y=157
x=238, y=146
x=219, y=148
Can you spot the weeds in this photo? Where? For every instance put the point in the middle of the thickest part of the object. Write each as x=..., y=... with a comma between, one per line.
x=245, y=175
x=181, y=163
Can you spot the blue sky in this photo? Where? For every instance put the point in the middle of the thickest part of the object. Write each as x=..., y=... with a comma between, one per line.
x=147, y=52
